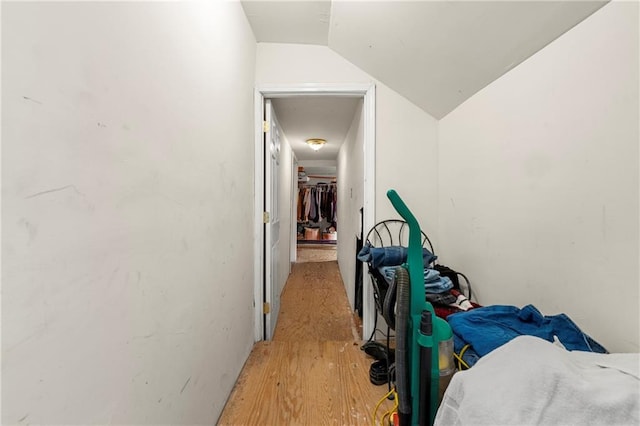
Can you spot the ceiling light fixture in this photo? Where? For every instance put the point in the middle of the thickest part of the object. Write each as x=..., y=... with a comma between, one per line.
x=315, y=143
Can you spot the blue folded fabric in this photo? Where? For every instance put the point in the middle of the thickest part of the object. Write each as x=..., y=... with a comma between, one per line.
x=433, y=281
x=489, y=327
x=440, y=285
x=431, y=275
x=390, y=256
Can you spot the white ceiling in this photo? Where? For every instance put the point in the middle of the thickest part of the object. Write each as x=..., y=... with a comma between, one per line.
x=302, y=22
x=326, y=117
x=437, y=54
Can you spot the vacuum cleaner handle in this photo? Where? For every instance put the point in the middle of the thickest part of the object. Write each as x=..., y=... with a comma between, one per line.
x=422, y=344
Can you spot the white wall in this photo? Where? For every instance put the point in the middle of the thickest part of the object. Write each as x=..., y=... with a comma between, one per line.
x=350, y=187
x=318, y=163
x=407, y=161
x=406, y=145
x=539, y=181
x=127, y=219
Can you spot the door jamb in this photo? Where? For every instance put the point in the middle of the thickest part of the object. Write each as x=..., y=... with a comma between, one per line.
x=293, y=254
x=368, y=91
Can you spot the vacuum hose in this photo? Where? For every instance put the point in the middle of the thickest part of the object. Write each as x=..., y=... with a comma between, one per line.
x=402, y=351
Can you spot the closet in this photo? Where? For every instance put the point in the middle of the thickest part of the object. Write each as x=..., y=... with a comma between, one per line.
x=316, y=212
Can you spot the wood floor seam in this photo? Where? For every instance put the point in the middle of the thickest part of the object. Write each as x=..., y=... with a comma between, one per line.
x=313, y=372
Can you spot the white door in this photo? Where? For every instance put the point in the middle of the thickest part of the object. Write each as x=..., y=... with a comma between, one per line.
x=272, y=220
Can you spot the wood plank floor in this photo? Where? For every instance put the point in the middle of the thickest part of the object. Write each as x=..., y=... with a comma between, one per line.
x=309, y=253
x=313, y=372
x=314, y=306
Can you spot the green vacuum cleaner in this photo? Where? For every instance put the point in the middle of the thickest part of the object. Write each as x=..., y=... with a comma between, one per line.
x=420, y=334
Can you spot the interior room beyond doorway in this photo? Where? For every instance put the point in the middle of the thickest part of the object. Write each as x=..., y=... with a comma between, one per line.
x=316, y=207
x=344, y=116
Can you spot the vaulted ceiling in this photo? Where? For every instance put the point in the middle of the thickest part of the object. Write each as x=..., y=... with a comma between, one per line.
x=437, y=54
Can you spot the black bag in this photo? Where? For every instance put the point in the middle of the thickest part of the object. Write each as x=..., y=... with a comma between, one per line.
x=445, y=271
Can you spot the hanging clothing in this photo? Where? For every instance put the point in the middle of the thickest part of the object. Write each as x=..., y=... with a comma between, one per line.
x=313, y=206
x=317, y=203
x=307, y=204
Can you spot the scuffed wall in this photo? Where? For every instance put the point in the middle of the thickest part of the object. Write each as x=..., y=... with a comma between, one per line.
x=127, y=286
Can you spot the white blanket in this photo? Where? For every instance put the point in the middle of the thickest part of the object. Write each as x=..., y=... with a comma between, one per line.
x=530, y=381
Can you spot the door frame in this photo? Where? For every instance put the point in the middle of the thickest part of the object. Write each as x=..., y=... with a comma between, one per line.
x=366, y=91
x=271, y=264
x=293, y=254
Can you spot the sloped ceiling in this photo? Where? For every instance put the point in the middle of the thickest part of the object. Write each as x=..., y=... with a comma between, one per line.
x=302, y=22
x=437, y=54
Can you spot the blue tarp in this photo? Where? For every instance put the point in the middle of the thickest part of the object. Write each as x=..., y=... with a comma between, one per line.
x=489, y=327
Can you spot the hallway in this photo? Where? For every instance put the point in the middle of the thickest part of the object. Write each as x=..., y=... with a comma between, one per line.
x=313, y=371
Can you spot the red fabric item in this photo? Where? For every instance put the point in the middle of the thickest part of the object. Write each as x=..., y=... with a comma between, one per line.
x=444, y=311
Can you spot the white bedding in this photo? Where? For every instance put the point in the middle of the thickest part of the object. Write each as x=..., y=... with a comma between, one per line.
x=530, y=381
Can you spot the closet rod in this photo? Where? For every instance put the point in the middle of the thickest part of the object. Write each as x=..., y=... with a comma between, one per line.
x=317, y=183
x=321, y=177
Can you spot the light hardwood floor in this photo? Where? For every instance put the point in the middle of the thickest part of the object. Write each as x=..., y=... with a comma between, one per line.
x=318, y=253
x=313, y=371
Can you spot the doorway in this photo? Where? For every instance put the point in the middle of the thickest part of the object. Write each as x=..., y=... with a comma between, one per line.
x=264, y=282
x=316, y=186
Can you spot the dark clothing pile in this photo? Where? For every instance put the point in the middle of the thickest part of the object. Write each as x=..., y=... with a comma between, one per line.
x=439, y=289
